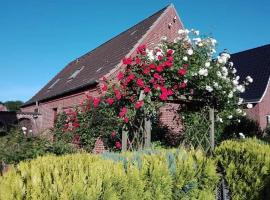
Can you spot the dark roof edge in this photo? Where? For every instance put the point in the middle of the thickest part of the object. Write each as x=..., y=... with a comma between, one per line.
x=67, y=92
x=251, y=49
x=258, y=100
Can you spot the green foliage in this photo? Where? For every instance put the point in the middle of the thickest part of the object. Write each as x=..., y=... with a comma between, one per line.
x=13, y=105
x=247, y=126
x=15, y=147
x=247, y=167
x=151, y=175
x=92, y=123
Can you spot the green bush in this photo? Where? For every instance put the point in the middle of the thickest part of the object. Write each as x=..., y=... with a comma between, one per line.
x=247, y=167
x=155, y=175
x=15, y=147
x=247, y=126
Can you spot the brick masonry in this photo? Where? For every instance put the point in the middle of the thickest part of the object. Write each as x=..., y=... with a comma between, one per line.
x=261, y=109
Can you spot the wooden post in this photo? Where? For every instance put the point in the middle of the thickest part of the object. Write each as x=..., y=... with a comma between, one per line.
x=124, y=139
x=212, y=128
x=147, y=133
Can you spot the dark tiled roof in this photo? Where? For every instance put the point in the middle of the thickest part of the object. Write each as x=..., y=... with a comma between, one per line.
x=97, y=62
x=255, y=63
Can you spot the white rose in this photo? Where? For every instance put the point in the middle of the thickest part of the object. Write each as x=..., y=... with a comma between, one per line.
x=190, y=52
x=207, y=64
x=230, y=95
x=249, y=79
x=181, y=31
x=209, y=88
x=185, y=58
x=242, y=135
x=249, y=105
x=240, y=101
x=234, y=70
x=163, y=38
x=197, y=32
x=230, y=117
x=238, y=110
x=24, y=128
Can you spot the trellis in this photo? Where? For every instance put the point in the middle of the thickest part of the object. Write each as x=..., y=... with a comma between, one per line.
x=198, y=140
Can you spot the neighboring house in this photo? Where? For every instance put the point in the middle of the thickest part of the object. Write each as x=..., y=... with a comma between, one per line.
x=2, y=107
x=256, y=63
x=68, y=87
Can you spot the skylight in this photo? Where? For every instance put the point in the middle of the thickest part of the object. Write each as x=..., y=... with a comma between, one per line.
x=75, y=73
x=54, y=83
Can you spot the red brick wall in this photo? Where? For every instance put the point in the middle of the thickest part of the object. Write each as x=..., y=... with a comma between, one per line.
x=261, y=110
x=46, y=109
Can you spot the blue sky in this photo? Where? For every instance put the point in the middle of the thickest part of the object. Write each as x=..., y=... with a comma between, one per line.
x=38, y=38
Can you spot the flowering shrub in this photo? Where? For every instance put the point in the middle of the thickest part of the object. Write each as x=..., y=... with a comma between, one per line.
x=183, y=70
x=84, y=124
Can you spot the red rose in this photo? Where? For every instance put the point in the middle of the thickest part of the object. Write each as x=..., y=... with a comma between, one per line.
x=160, y=57
x=76, y=124
x=183, y=85
x=141, y=49
x=168, y=63
x=146, y=71
x=118, y=145
x=126, y=120
x=146, y=90
x=182, y=72
x=104, y=88
x=96, y=102
x=152, y=66
x=131, y=99
x=159, y=68
x=170, y=52
x=140, y=82
x=123, y=112
x=157, y=76
x=127, y=61
x=120, y=76
x=113, y=134
x=139, y=104
x=110, y=101
x=137, y=60
x=163, y=97
x=185, y=65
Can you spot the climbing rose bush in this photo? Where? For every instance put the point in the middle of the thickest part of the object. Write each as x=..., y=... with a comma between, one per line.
x=185, y=70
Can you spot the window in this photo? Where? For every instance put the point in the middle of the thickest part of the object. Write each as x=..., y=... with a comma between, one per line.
x=72, y=76
x=54, y=115
x=52, y=85
x=268, y=119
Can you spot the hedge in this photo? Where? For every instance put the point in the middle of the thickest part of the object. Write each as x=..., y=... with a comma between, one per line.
x=174, y=174
x=247, y=167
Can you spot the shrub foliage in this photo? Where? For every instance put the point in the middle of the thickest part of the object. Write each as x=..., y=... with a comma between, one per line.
x=150, y=175
x=247, y=167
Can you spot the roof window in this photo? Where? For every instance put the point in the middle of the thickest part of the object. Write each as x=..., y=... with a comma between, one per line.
x=75, y=73
x=54, y=83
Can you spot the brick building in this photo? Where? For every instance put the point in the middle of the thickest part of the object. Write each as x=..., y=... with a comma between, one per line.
x=68, y=87
x=256, y=63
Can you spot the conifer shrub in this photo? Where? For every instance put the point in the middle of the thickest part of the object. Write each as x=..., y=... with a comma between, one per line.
x=174, y=174
x=247, y=168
